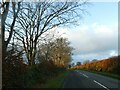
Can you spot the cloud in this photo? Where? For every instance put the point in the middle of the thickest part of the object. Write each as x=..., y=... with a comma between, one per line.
x=91, y=56
x=95, y=40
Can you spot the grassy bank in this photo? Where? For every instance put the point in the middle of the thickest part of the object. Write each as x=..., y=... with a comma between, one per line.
x=54, y=82
x=116, y=76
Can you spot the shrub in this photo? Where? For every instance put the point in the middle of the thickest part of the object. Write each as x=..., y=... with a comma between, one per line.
x=111, y=64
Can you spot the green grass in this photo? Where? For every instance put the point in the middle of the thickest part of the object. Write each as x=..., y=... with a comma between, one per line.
x=55, y=82
x=116, y=76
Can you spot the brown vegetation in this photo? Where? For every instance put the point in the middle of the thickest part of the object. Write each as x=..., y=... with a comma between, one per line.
x=111, y=65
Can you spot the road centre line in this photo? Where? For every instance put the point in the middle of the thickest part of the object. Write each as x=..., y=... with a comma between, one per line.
x=76, y=70
x=94, y=81
x=82, y=74
x=85, y=75
x=101, y=85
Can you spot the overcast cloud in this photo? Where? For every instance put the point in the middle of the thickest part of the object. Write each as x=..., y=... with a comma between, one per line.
x=95, y=41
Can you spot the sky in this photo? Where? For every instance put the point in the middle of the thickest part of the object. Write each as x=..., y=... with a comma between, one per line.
x=97, y=35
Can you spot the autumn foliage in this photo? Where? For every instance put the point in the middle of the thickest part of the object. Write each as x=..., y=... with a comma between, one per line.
x=111, y=65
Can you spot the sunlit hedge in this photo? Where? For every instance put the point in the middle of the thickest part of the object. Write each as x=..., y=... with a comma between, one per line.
x=111, y=64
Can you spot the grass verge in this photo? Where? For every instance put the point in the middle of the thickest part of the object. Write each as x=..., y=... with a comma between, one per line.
x=116, y=76
x=55, y=82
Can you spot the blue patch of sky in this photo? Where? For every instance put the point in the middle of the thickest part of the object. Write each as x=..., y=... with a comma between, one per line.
x=105, y=13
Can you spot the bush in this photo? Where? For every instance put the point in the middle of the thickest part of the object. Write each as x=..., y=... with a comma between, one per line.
x=111, y=65
x=13, y=67
x=17, y=74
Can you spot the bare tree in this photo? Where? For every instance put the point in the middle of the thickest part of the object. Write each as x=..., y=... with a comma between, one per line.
x=46, y=44
x=8, y=16
x=94, y=60
x=86, y=62
x=37, y=18
x=58, y=51
x=78, y=63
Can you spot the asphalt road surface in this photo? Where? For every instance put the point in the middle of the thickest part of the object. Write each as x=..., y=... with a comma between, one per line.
x=84, y=79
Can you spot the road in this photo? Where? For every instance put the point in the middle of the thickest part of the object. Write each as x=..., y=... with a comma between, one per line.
x=84, y=79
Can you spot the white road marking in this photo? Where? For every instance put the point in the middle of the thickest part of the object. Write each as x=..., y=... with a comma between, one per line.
x=80, y=73
x=76, y=70
x=101, y=85
x=85, y=75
